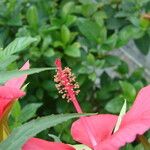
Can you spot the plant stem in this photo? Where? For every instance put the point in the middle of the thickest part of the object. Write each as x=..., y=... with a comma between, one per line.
x=144, y=142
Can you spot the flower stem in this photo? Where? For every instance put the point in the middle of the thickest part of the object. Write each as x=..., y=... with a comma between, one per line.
x=144, y=142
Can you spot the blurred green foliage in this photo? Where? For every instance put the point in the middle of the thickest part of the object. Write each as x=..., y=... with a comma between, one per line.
x=82, y=33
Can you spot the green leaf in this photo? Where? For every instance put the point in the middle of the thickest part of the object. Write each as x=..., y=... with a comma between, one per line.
x=114, y=105
x=86, y=2
x=39, y=93
x=89, y=29
x=16, y=110
x=65, y=34
x=29, y=111
x=92, y=76
x=123, y=68
x=122, y=113
x=110, y=43
x=21, y=134
x=6, y=75
x=127, y=33
x=143, y=44
x=144, y=23
x=73, y=50
x=129, y=91
x=129, y=147
x=138, y=85
x=32, y=17
x=67, y=8
x=113, y=60
x=115, y=23
x=89, y=9
x=137, y=74
x=91, y=59
x=15, y=113
x=4, y=62
x=17, y=45
x=139, y=147
x=49, y=52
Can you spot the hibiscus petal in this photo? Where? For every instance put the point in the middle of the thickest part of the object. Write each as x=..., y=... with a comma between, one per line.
x=141, y=106
x=4, y=103
x=135, y=122
x=125, y=135
x=101, y=127
x=10, y=92
x=7, y=95
x=106, y=145
x=38, y=144
x=18, y=82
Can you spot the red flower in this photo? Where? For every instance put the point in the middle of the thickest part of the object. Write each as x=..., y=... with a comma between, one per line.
x=135, y=122
x=11, y=91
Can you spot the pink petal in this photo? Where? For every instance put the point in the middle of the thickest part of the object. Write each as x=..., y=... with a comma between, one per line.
x=105, y=146
x=141, y=106
x=126, y=134
x=10, y=92
x=4, y=104
x=122, y=136
x=100, y=125
x=18, y=82
x=135, y=122
x=38, y=144
x=7, y=95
